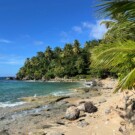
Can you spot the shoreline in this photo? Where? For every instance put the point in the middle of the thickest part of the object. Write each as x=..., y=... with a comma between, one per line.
x=43, y=115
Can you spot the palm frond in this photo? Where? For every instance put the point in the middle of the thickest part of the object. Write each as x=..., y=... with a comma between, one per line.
x=127, y=83
x=113, y=7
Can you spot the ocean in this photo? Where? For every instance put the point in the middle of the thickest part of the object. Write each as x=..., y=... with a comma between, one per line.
x=11, y=90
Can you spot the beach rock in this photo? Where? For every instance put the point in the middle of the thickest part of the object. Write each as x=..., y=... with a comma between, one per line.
x=4, y=132
x=72, y=113
x=82, y=123
x=102, y=100
x=82, y=114
x=81, y=107
x=123, y=130
x=90, y=108
x=91, y=83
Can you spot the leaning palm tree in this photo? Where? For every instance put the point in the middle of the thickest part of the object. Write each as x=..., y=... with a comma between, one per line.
x=114, y=7
x=118, y=57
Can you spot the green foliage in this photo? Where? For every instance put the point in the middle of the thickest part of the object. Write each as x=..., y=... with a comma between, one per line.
x=70, y=61
x=116, y=57
x=114, y=7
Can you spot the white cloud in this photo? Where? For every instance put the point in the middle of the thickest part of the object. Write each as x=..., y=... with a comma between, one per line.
x=86, y=25
x=96, y=30
x=93, y=30
x=38, y=42
x=77, y=29
x=5, y=41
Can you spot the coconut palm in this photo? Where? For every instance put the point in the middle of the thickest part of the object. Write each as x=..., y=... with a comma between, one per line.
x=121, y=29
x=118, y=56
x=114, y=7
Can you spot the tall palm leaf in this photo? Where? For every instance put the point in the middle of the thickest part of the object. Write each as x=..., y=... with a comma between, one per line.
x=113, y=7
x=117, y=55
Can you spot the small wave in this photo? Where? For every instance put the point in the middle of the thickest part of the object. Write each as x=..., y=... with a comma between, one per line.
x=9, y=104
x=61, y=93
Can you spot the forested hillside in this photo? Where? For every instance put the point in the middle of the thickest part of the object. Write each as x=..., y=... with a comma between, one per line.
x=71, y=61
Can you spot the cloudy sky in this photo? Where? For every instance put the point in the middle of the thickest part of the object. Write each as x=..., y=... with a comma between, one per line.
x=29, y=26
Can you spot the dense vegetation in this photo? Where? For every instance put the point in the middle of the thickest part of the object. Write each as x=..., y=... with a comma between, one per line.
x=71, y=61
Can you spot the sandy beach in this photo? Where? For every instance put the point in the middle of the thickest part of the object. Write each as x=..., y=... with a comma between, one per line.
x=46, y=115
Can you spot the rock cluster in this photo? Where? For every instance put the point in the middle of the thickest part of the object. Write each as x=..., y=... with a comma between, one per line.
x=73, y=112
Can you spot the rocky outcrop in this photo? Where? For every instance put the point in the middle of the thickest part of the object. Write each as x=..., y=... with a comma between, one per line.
x=72, y=113
x=89, y=107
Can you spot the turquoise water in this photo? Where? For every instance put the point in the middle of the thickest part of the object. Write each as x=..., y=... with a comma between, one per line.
x=11, y=91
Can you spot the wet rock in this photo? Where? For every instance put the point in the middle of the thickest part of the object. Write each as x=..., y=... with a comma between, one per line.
x=102, y=100
x=72, y=113
x=4, y=132
x=90, y=108
x=2, y=118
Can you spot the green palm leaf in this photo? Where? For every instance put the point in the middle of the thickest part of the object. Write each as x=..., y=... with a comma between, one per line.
x=127, y=83
x=120, y=56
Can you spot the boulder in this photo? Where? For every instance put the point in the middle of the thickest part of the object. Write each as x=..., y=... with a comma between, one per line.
x=72, y=113
x=81, y=107
x=90, y=108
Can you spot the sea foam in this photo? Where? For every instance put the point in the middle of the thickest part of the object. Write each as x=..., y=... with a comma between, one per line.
x=9, y=104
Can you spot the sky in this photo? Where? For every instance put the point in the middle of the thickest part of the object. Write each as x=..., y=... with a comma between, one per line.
x=29, y=26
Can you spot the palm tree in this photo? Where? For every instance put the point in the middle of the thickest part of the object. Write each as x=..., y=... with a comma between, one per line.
x=114, y=7
x=121, y=29
x=76, y=47
x=118, y=55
